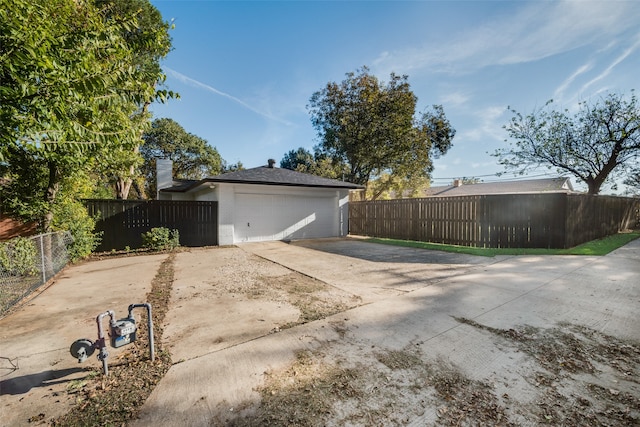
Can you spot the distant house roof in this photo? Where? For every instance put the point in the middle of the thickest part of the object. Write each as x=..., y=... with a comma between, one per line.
x=545, y=185
x=264, y=175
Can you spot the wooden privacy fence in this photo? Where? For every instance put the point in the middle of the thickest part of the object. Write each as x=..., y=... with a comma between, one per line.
x=555, y=220
x=122, y=222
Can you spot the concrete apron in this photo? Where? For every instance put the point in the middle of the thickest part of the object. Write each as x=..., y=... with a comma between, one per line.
x=598, y=292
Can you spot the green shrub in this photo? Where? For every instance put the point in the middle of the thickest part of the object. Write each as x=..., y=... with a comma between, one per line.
x=72, y=215
x=160, y=239
x=18, y=257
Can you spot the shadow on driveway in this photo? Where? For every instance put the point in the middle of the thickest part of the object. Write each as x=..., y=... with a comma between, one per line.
x=23, y=384
x=377, y=252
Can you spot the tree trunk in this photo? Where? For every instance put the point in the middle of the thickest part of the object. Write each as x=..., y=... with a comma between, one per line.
x=50, y=196
x=138, y=190
x=596, y=182
x=123, y=186
x=593, y=187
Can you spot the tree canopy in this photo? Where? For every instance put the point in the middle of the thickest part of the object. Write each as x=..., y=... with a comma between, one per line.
x=633, y=182
x=297, y=159
x=373, y=129
x=598, y=142
x=302, y=160
x=192, y=156
x=150, y=42
x=71, y=88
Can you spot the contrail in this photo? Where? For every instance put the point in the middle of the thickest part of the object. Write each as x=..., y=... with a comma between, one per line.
x=618, y=60
x=583, y=69
x=192, y=82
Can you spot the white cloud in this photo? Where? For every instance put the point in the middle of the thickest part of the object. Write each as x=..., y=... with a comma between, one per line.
x=476, y=165
x=454, y=99
x=486, y=127
x=559, y=92
x=615, y=62
x=491, y=122
x=535, y=30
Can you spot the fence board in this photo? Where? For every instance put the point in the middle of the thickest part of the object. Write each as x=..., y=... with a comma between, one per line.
x=554, y=220
x=122, y=222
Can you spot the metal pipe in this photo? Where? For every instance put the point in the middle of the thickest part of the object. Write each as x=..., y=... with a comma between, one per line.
x=149, y=325
x=44, y=272
x=102, y=356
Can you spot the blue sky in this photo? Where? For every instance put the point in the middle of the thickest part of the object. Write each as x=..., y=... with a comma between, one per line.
x=246, y=70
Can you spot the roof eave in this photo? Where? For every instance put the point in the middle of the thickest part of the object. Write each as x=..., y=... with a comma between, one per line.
x=287, y=184
x=238, y=181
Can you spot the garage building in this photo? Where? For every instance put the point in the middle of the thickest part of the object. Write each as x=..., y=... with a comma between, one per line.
x=266, y=203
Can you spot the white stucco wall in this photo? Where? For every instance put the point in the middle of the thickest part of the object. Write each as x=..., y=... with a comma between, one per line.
x=306, y=212
x=241, y=204
x=226, y=208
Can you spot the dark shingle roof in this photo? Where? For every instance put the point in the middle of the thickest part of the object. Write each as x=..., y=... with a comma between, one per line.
x=266, y=176
x=546, y=185
x=179, y=185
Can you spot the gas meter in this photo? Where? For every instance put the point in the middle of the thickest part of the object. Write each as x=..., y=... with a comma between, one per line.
x=82, y=348
x=123, y=332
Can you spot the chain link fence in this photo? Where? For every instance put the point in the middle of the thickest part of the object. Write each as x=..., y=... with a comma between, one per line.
x=29, y=262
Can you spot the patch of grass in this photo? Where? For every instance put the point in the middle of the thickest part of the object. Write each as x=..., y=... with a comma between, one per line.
x=595, y=247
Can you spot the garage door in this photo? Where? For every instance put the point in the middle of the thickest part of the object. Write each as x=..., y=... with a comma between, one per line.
x=264, y=217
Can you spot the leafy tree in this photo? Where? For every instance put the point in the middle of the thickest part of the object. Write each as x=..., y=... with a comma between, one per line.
x=192, y=156
x=70, y=92
x=150, y=42
x=328, y=167
x=467, y=180
x=387, y=187
x=70, y=214
x=633, y=182
x=295, y=158
x=594, y=145
x=302, y=160
x=372, y=128
x=226, y=167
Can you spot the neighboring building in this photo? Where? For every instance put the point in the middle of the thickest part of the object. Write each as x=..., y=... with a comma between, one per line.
x=266, y=203
x=11, y=228
x=545, y=185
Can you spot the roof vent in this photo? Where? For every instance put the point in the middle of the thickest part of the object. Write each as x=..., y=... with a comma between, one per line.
x=271, y=162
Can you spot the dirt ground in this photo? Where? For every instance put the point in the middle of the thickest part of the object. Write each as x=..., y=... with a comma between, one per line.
x=257, y=337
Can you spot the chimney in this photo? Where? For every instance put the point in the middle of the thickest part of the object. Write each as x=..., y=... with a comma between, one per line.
x=164, y=174
x=457, y=182
x=270, y=163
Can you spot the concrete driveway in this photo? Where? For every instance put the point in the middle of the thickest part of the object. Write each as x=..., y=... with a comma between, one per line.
x=226, y=345
x=441, y=307
x=36, y=367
